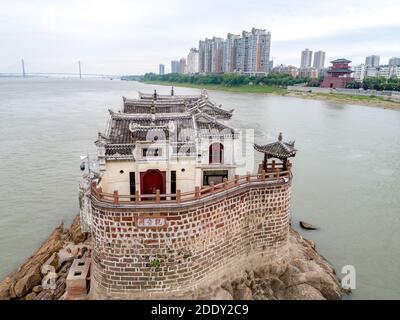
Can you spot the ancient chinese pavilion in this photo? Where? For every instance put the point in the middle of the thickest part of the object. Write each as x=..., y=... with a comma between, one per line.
x=167, y=213
x=165, y=143
x=338, y=75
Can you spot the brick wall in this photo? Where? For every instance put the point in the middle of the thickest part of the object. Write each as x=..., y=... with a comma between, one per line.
x=195, y=244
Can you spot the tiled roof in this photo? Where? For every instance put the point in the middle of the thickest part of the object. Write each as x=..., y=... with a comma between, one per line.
x=341, y=60
x=148, y=126
x=176, y=118
x=168, y=97
x=206, y=106
x=279, y=149
x=207, y=124
x=119, y=149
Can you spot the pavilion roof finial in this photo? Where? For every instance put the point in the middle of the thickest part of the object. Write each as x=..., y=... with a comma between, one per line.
x=172, y=91
x=280, y=137
x=155, y=95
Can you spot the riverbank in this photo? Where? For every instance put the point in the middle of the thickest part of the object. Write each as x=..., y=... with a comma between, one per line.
x=372, y=101
x=242, y=89
x=334, y=97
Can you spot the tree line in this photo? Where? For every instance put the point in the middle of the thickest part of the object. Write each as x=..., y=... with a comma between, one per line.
x=272, y=79
x=228, y=79
x=376, y=83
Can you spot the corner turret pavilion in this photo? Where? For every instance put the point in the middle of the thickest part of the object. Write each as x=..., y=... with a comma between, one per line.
x=277, y=150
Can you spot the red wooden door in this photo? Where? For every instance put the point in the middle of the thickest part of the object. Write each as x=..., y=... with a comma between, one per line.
x=153, y=180
x=216, y=153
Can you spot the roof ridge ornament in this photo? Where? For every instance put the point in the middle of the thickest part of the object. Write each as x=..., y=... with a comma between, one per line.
x=280, y=137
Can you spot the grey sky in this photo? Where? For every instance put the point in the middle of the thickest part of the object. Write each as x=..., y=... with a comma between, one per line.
x=133, y=37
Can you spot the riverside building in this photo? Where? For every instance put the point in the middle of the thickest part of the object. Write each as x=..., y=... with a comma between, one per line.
x=167, y=213
x=193, y=61
x=338, y=75
x=247, y=54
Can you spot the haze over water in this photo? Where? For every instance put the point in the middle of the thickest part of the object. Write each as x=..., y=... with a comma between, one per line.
x=346, y=172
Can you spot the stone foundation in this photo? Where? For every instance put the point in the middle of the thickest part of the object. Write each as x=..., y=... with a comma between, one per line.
x=175, y=250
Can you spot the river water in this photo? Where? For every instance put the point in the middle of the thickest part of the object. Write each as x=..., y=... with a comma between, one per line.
x=346, y=172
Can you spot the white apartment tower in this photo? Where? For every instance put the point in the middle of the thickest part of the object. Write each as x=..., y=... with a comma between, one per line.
x=372, y=61
x=359, y=72
x=319, y=60
x=193, y=61
x=161, y=69
x=306, y=58
x=395, y=61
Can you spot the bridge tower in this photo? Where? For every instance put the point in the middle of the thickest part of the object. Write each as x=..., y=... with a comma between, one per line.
x=80, y=70
x=23, y=68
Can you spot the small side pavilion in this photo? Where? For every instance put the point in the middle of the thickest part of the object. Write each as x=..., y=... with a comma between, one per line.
x=277, y=150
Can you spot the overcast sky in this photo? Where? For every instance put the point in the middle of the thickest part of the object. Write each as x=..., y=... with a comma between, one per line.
x=133, y=37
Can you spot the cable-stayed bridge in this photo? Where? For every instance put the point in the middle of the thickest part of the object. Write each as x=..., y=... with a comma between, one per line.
x=11, y=71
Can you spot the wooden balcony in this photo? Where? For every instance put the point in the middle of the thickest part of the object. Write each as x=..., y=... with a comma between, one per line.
x=272, y=176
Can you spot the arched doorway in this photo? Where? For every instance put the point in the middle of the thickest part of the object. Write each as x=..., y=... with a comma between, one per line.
x=216, y=153
x=152, y=180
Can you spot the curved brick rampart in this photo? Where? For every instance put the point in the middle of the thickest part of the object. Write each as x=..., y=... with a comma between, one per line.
x=198, y=244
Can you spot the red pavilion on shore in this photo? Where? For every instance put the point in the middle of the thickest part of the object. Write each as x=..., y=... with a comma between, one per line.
x=339, y=75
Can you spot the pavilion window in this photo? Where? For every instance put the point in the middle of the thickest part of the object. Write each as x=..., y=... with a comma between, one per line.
x=151, y=152
x=173, y=182
x=132, y=182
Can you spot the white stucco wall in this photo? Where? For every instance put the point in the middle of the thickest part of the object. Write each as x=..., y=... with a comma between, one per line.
x=112, y=179
x=186, y=180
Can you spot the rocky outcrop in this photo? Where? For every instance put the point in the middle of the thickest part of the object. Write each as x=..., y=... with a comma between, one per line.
x=75, y=232
x=22, y=281
x=306, y=275
x=50, y=262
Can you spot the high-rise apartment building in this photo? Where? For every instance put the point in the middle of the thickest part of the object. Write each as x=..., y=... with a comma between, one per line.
x=259, y=46
x=242, y=49
x=306, y=58
x=253, y=52
x=372, y=61
x=395, y=61
x=175, y=66
x=161, y=69
x=193, y=61
x=217, y=46
x=249, y=53
x=319, y=60
x=182, y=65
x=205, y=55
x=229, y=53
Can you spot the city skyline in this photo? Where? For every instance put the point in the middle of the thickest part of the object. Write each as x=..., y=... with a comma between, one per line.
x=53, y=37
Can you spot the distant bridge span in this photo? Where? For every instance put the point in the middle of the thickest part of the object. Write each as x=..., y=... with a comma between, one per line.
x=33, y=74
